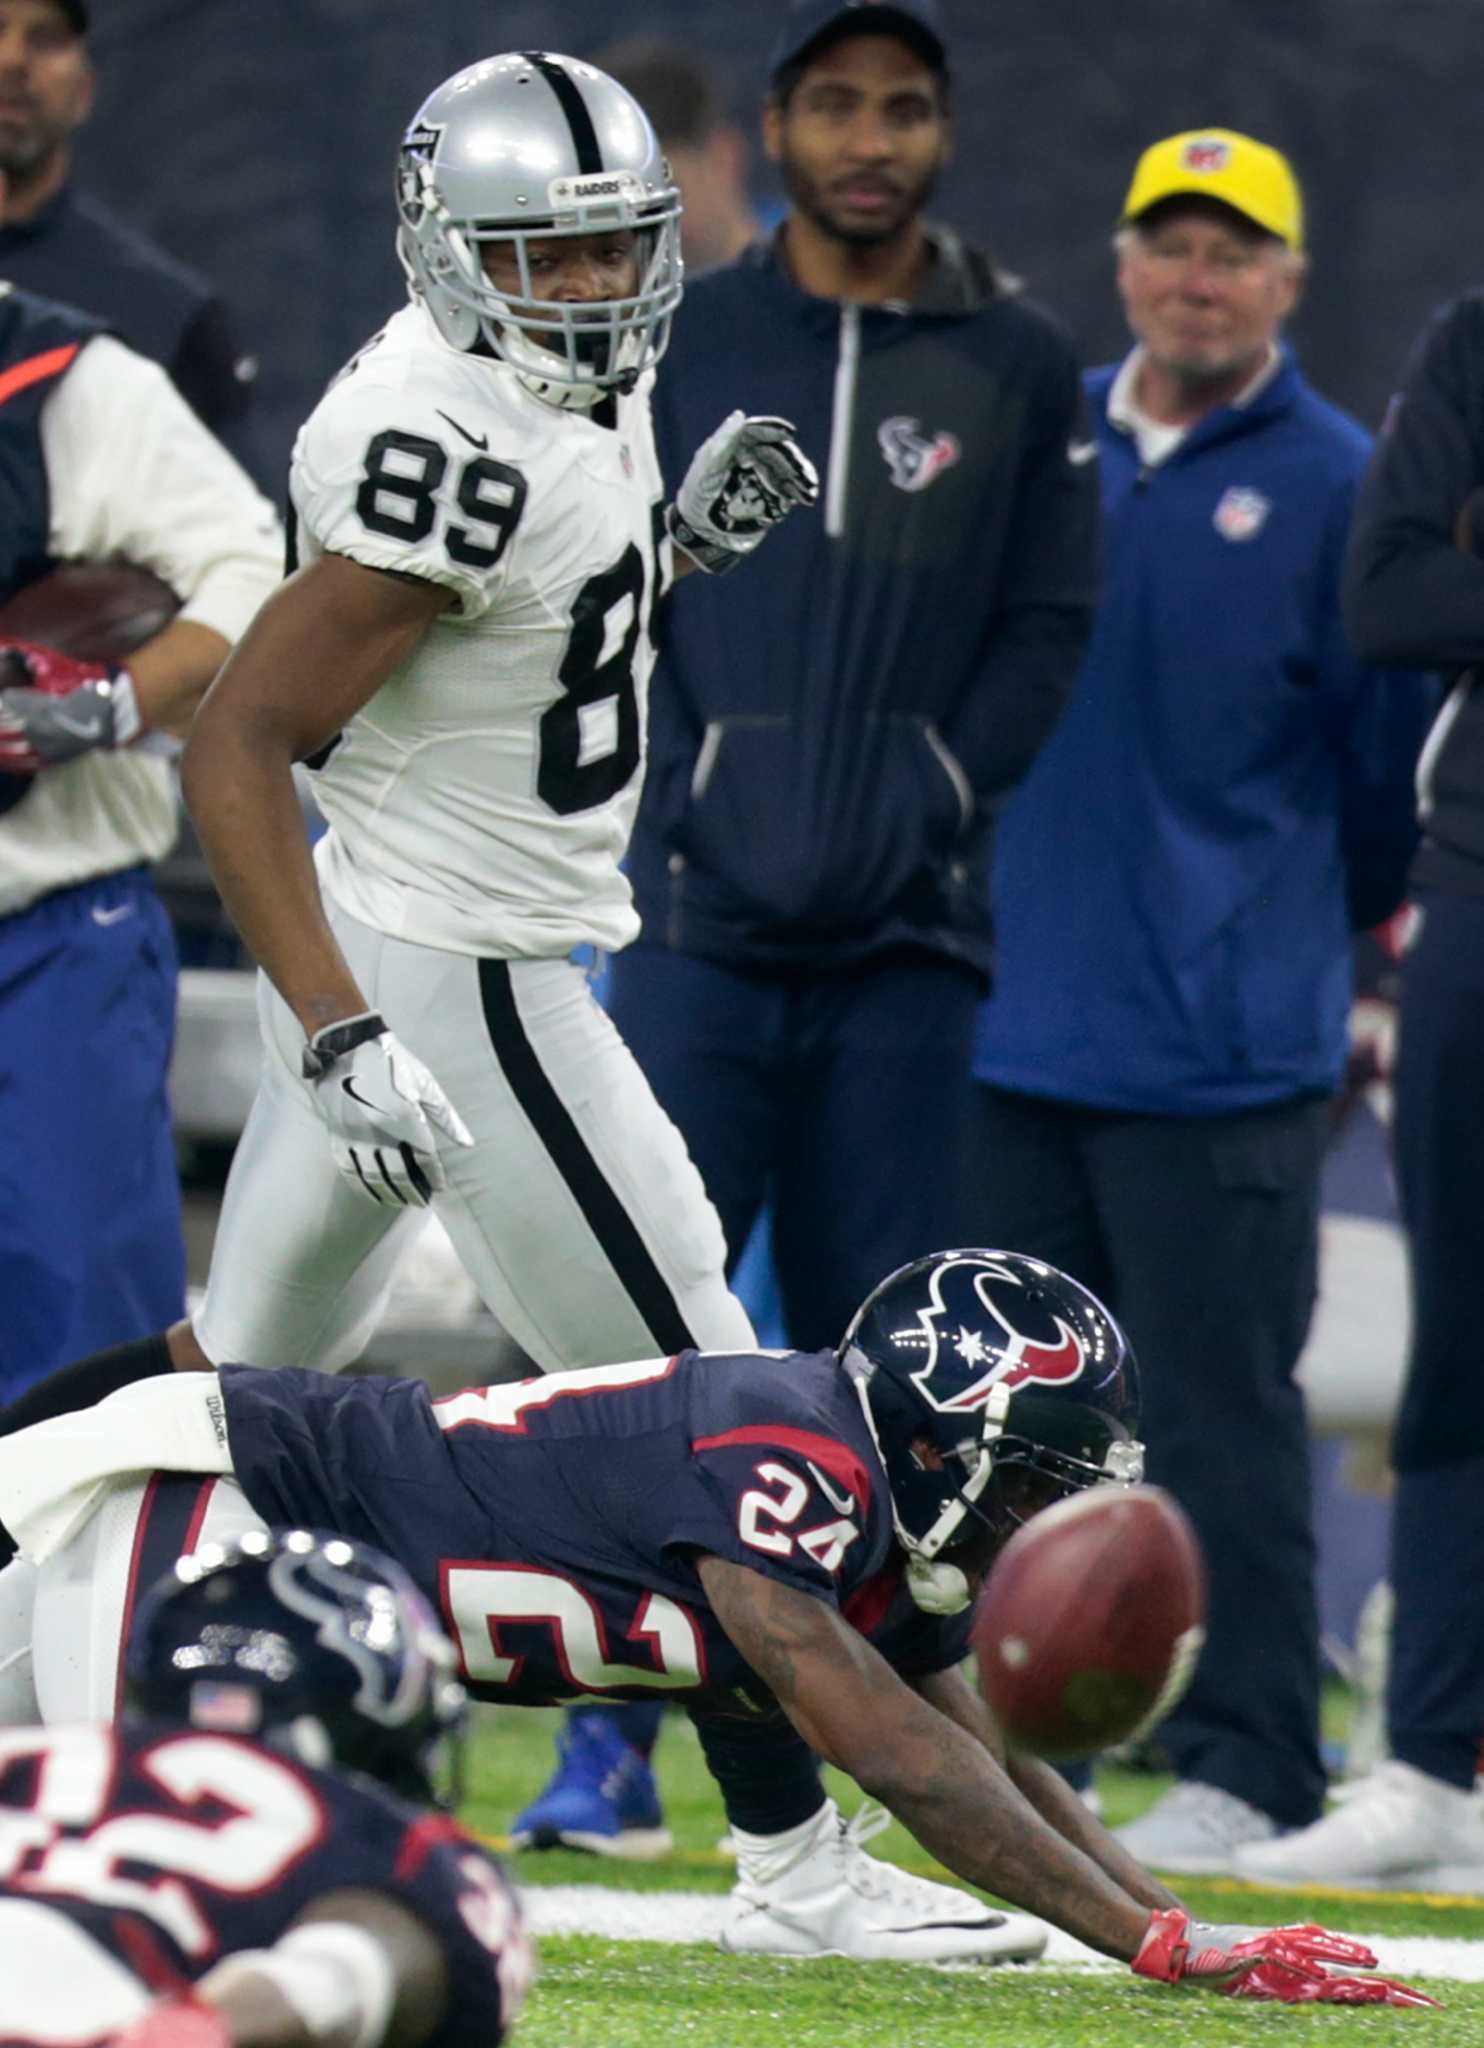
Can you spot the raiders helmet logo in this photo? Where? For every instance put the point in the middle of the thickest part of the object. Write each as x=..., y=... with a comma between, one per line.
x=966, y=1294
x=414, y=166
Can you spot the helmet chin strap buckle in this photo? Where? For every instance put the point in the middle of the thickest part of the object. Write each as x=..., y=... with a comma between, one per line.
x=937, y=1588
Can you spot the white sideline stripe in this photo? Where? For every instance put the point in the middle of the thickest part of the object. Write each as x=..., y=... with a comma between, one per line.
x=699, y=1916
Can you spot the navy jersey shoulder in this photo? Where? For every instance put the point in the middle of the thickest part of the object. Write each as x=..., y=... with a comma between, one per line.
x=556, y=1522
x=174, y=1847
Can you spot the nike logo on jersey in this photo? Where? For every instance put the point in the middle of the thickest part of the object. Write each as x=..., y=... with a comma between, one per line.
x=1079, y=452
x=114, y=916
x=479, y=441
x=842, y=1503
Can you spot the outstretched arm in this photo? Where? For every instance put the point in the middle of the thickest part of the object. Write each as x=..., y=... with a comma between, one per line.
x=1046, y=1790
x=938, y=1772
x=939, y=1780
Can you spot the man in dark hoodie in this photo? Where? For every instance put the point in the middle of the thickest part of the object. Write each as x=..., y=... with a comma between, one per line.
x=832, y=735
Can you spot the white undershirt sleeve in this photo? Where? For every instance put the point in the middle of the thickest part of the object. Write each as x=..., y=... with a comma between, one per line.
x=134, y=474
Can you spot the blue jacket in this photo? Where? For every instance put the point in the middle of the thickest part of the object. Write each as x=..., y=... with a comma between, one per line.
x=833, y=725
x=1230, y=790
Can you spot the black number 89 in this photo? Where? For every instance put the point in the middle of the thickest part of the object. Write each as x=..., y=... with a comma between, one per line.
x=398, y=497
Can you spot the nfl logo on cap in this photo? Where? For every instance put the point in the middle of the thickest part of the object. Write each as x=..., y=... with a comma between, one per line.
x=1207, y=153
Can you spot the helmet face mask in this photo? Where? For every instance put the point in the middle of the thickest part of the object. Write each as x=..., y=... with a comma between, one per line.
x=314, y=1645
x=526, y=148
x=993, y=1385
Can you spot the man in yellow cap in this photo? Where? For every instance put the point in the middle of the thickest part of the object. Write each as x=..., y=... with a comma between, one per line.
x=1175, y=883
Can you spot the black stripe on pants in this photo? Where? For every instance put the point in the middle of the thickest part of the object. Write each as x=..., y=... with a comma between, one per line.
x=605, y=1215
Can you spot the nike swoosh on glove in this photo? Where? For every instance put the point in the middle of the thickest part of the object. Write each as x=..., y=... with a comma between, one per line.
x=742, y=481
x=177, y=2023
x=53, y=708
x=1283, y=1964
x=382, y=1107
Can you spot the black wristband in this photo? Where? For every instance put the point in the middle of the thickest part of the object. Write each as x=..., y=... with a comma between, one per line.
x=336, y=1040
x=706, y=554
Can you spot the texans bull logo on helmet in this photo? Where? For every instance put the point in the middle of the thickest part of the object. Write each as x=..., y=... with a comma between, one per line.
x=963, y=1292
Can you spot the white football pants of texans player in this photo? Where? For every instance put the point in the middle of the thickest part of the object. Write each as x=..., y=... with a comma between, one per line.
x=99, y=1519
x=578, y=1215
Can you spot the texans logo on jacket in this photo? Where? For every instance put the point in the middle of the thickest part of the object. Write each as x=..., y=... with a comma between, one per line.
x=914, y=457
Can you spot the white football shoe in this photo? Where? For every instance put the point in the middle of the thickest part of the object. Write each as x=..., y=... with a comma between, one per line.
x=1196, y=1829
x=1395, y=1830
x=813, y=1891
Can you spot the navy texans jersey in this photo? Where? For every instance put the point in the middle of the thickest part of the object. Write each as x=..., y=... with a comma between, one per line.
x=156, y=1850
x=555, y=1522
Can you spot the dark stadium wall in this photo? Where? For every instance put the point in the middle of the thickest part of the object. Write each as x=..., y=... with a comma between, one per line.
x=256, y=141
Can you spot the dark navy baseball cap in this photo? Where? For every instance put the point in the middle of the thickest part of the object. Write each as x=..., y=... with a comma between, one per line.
x=810, y=24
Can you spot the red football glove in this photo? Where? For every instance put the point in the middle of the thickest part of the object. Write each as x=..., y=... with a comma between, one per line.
x=177, y=2023
x=1275, y=1980
x=1285, y=1963
x=53, y=708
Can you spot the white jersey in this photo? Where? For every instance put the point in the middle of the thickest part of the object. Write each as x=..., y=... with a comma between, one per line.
x=483, y=799
x=132, y=473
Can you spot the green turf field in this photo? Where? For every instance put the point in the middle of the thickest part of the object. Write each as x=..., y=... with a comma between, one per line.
x=608, y=1993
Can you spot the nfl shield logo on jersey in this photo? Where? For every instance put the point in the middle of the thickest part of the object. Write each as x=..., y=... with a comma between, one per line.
x=1241, y=513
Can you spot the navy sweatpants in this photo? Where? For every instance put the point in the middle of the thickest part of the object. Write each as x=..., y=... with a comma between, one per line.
x=1435, y=1697
x=843, y=1098
x=91, y=1252
x=1201, y=1234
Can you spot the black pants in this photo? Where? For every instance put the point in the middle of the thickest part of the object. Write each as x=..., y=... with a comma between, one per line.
x=843, y=1097
x=1436, y=1695
x=1201, y=1234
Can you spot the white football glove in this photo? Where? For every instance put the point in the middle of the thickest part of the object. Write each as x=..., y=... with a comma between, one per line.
x=380, y=1105
x=746, y=477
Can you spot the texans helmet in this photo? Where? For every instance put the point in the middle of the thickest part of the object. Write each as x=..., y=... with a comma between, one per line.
x=312, y=1644
x=993, y=1385
x=525, y=147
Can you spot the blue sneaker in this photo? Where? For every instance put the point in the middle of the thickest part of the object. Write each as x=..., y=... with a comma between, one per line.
x=601, y=1797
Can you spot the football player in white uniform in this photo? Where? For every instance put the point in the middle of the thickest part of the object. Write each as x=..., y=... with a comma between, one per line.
x=463, y=656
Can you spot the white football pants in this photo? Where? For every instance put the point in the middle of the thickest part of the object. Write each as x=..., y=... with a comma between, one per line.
x=577, y=1213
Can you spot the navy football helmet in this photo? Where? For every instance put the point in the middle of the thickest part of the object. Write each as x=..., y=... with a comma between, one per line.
x=315, y=1645
x=993, y=1385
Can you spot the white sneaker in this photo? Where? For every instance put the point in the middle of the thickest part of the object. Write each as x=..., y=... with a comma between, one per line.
x=1194, y=1828
x=1398, y=1829
x=814, y=1892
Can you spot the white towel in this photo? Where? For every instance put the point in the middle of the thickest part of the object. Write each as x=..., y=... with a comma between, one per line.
x=54, y=1474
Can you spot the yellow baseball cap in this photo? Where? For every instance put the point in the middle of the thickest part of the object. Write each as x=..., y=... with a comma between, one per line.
x=1217, y=163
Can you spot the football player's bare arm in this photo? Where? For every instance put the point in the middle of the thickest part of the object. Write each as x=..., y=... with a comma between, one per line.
x=1047, y=1790
x=289, y=1997
x=937, y=1778
x=319, y=649
x=171, y=673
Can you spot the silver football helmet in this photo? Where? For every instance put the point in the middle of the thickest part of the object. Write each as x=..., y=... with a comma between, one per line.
x=519, y=148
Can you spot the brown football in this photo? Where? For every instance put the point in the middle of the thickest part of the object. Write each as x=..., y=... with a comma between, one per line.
x=94, y=611
x=1088, y=1628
